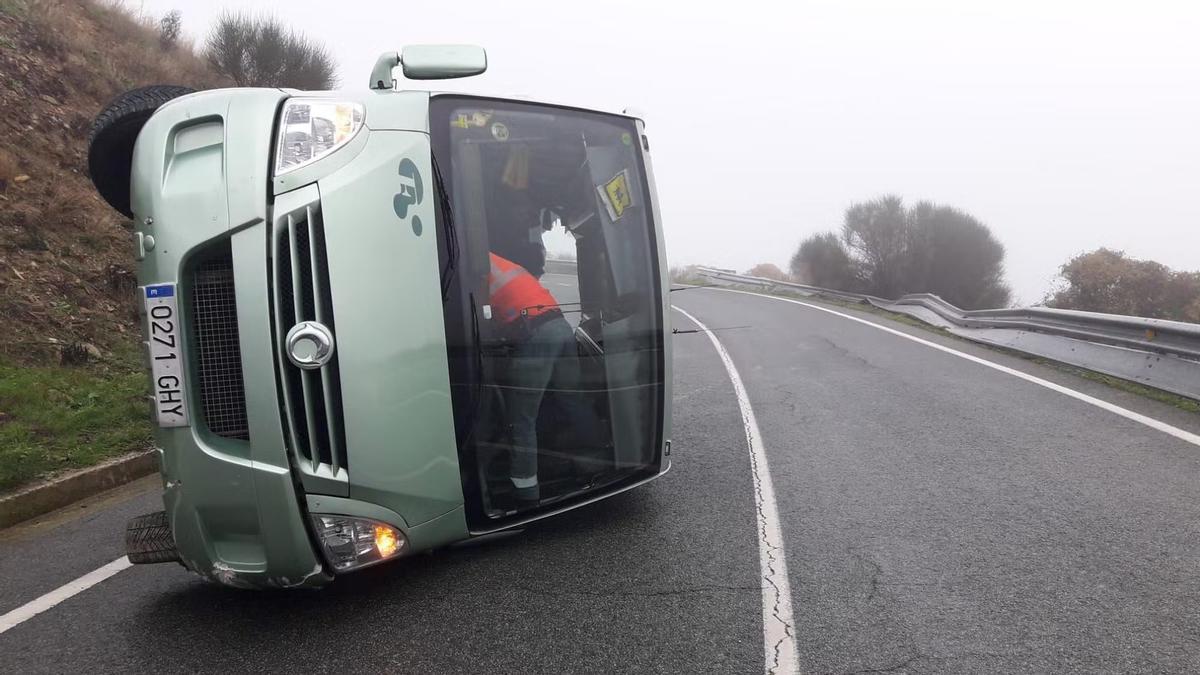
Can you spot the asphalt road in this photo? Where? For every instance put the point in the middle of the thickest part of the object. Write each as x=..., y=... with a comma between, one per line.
x=565, y=290
x=937, y=516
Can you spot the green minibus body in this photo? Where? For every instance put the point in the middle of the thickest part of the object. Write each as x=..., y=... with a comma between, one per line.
x=334, y=383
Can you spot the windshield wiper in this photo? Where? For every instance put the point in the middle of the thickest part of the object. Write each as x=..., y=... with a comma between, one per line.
x=447, y=216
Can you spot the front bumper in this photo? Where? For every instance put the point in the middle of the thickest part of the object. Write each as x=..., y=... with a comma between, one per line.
x=233, y=504
x=230, y=499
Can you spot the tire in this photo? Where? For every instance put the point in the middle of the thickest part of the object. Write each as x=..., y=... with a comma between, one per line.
x=110, y=142
x=148, y=540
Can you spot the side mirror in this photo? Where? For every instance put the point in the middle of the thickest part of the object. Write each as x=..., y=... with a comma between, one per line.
x=442, y=62
x=429, y=62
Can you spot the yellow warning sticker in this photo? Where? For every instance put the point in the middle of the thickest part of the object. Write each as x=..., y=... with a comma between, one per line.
x=466, y=120
x=616, y=195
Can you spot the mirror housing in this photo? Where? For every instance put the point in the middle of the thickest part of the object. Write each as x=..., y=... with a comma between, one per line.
x=429, y=62
x=442, y=62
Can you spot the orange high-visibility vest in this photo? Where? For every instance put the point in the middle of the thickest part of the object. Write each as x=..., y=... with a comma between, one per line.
x=512, y=290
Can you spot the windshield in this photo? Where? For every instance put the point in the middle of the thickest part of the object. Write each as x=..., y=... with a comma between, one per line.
x=552, y=305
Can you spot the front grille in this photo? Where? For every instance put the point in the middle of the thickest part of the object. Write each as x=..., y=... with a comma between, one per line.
x=311, y=398
x=217, y=352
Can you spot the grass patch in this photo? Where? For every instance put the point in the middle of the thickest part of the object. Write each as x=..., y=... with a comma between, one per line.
x=18, y=8
x=54, y=418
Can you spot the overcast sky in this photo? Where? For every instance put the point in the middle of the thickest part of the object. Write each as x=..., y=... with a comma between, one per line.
x=1063, y=125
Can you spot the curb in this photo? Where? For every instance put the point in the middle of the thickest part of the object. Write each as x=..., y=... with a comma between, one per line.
x=34, y=500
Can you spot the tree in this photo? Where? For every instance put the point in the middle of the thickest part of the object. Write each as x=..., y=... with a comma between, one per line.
x=889, y=250
x=768, y=271
x=1110, y=281
x=169, y=28
x=262, y=52
x=876, y=233
x=1183, y=297
x=822, y=260
x=955, y=256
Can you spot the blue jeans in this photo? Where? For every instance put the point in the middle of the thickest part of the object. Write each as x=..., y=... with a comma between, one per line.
x=530, y=372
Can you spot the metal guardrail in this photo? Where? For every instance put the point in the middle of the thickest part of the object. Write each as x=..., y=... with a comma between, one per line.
x=561, y=266
x=1156, y=352
x=1151, y=335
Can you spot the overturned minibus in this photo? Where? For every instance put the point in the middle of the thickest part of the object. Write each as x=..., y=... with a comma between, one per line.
x=358, y=345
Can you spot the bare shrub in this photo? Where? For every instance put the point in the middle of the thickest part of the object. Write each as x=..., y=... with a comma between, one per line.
x=888, y=249
x=69, y=58
x=768, y=271
x=8, y=169
x=53, y=29
x=822, y=260
x=1112, y=282
x=259, y=51
x=169, y=28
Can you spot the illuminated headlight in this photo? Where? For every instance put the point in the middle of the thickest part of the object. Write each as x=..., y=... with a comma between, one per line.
x=310, y=128
x=351, y=543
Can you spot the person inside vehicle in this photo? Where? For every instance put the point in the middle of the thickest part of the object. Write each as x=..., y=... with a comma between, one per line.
x=529, y=317
x=531, y=320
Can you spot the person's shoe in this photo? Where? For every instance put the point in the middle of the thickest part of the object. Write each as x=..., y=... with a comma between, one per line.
x=526, y=490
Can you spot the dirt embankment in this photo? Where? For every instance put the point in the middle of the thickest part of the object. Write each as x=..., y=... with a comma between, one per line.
x=66, y=267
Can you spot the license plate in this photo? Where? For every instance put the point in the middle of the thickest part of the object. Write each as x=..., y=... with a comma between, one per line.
x=166, y=358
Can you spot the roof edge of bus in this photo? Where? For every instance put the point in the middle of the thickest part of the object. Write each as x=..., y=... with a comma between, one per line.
x=630, y=112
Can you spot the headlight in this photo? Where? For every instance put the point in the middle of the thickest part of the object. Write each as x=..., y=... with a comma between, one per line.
x=310, y=128
x=351, y=543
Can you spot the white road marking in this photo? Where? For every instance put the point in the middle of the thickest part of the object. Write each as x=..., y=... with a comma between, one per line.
x=34, y=607
x=1181, y=434
x=779, y=636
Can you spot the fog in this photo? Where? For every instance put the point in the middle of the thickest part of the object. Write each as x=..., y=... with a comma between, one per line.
x=1064, y=126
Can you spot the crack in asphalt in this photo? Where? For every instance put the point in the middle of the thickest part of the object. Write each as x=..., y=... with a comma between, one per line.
x=779, y=651
x=771, y=561
x=876, y=570
x=848, y=355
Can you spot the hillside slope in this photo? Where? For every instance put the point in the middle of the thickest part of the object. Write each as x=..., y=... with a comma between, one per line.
x=72, y=391
x=65, y=264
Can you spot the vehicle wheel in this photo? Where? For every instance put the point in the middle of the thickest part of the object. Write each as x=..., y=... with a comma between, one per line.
x=148, y=540
x=110, y=142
